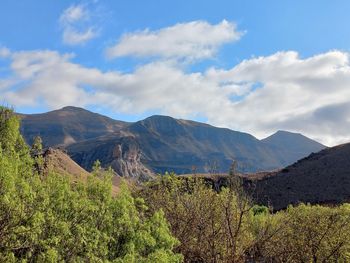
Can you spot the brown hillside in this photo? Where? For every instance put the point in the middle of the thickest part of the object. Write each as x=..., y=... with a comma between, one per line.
x=320, y=178
x=60, y=162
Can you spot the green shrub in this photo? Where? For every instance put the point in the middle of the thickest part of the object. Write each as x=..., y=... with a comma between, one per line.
x=48, y=218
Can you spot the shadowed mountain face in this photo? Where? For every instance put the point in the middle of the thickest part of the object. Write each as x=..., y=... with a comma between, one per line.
x=177, y=145
x=291, y=146
x=67, y=126
x=162, y=143
x=322, y=177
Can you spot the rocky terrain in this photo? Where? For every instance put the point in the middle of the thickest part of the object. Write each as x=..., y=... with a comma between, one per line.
x=120, y=152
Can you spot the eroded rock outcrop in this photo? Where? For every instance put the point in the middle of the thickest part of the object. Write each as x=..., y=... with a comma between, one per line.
x=127, y=162
x=121, y=152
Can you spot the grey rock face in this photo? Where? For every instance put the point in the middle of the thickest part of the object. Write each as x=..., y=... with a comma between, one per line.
x=127, y=162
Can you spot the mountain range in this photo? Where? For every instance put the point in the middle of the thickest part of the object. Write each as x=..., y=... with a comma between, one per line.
x=161, y=143
x=301, y=170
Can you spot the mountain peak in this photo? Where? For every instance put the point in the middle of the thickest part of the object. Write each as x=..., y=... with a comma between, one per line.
x=285, y=136
x=67, y=125
x=159, y=118
x=285, y=133
x=168, y=119
x=290, y=145
x=71, y=108
x=157, y=123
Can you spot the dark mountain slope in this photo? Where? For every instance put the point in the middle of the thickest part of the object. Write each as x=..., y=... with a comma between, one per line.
x=322, y=177
x=168, y=144
x=177, y=145
x=67, y=125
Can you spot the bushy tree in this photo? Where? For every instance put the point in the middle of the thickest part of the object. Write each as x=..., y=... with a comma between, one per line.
x=311, y=234
x=225, y=226
x=49, y=218
x=211, y=226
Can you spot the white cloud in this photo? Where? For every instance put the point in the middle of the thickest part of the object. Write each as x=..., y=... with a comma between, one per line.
x=50, y=77
x=73, y=14
x=193, y=40
x=4, y=52
x=73, y=37
x=259, y=95
x=293, y=95
x=76, y=25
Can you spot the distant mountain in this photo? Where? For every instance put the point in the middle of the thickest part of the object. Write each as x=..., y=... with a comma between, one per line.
x=67, y=125
x=161, y=143
x=167, y=144
x=175, y=145
x=322, y=177
x=291, y=146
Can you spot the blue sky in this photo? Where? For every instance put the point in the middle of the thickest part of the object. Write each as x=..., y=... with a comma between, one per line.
x=254, y=66
x=309, y=27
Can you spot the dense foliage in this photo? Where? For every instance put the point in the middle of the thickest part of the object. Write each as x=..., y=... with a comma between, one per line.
x=226, y=226
x=44, y=217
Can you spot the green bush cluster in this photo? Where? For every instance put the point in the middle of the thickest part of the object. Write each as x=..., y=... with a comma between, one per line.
x=49, y=218
x=226, y=226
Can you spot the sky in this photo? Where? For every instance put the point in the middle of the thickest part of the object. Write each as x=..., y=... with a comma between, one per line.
x=252, y=66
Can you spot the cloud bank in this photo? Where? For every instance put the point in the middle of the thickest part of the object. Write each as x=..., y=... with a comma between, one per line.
x=259, y=95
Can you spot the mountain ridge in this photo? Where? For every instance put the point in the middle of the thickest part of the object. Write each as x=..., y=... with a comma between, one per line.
x=161, y=143
x=67, y=125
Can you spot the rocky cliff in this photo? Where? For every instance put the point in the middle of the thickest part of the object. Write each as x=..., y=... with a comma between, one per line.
x=122, y=153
